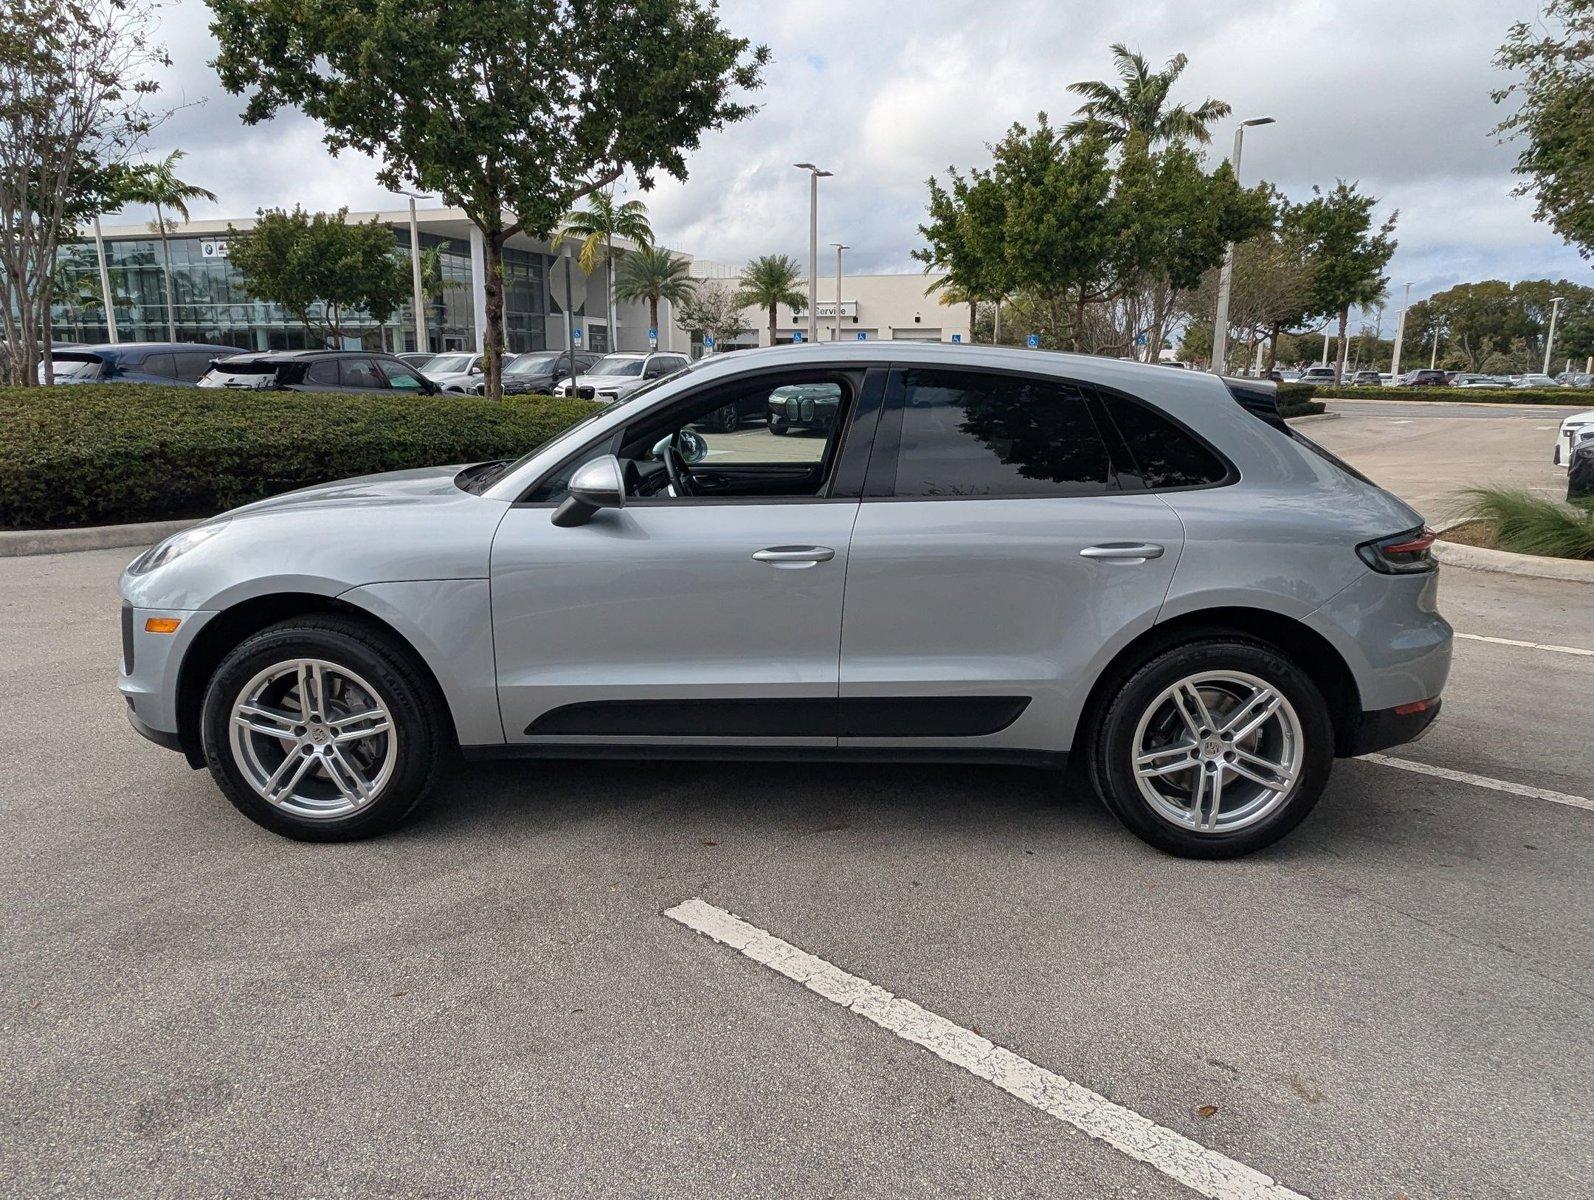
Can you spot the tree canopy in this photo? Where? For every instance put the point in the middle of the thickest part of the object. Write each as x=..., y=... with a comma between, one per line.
x=1137, y=105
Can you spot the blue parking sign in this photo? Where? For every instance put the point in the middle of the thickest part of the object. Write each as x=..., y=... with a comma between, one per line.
x=708, y=342
x=956, y=338
x=862, y=336
x=653, y=338
x=799, y=336
x=575, y=336
x=1034, y=341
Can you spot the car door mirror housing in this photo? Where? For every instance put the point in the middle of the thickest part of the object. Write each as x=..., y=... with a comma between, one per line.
x=594, y=485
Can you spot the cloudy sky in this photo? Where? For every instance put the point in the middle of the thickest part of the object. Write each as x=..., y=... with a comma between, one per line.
x=1393, y=93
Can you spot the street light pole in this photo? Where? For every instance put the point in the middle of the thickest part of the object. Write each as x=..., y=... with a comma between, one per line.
x=839, y=248
x=1549, y=341
x=105, y=282
x=418, y=299
x=814, y=175
x=1220, y=319
x=1400, y=336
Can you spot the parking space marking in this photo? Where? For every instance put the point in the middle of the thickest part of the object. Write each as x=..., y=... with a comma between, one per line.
x=1499, y=641
x=1205, y=1172
x=1482, y=781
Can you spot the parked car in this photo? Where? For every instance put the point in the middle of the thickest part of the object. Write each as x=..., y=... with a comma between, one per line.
x=179, y=363
x=615, y=376
x=1385, y=379
x=416, y=358
x=806, y=406
x=1533, y=379
x=1366, y=379
x=1573, y=429
x=1424, y=378
x=539, y=371
x=1575, y=379
x=1043, y=556
x=1475, y=381
x=317, y=371
x=1318, y=375
x=459, y=372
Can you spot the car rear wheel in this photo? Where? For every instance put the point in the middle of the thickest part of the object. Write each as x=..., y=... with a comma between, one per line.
x=1214, y=748
x=322, y=729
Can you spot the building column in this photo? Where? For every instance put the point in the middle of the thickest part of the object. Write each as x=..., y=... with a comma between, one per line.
x=478, y=285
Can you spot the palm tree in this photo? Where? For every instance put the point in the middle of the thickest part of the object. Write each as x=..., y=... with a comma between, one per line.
x=770, y=281
x=596, y=228
x=654, y=274
x=157, y=184
x=1138, y=104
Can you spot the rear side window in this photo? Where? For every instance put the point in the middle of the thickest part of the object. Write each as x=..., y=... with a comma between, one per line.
x=323, y=371
x=162, y=366
x=360, y=373
x=970, y=433
x=190, y=367
x=1165, y=455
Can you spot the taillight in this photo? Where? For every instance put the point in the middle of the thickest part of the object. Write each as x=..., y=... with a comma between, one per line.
x=1401, y=553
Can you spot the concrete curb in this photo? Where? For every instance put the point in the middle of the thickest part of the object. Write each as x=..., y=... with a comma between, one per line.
x=15, y=543
x=1504, y=562
x=1323, y=416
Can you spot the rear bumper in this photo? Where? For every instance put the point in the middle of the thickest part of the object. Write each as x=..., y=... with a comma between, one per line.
x=1388, y=727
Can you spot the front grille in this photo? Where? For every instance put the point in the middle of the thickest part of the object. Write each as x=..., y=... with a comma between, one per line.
x=127, y=638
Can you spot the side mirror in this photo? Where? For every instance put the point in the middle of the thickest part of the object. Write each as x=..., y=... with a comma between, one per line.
x=597, y=484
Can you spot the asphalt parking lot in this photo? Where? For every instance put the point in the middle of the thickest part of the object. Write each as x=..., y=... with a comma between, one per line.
x=1395, y=1001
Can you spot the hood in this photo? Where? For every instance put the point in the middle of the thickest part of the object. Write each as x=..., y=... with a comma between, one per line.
x=454, y=378
x=604, y=383
x=423, y=485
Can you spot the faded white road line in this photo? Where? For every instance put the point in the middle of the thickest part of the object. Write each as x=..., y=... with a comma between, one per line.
x=1203, y=1171
x=1498, y=641
x=1483, y=781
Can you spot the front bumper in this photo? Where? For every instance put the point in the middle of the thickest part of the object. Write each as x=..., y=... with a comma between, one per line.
x=151, y=663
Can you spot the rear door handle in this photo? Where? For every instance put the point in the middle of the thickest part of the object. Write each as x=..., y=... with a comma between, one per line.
x=794, y=556
x=1135, y=551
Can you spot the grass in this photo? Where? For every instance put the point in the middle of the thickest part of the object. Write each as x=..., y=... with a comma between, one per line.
x=1528, y=524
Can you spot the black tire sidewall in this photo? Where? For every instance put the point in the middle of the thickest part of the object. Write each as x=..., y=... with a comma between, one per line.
x=1112, y=748
x=382, y=665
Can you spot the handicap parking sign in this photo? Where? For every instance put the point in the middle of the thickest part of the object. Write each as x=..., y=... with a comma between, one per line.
x=653, y=338
x=862, y=336
x=708, y=342
x=956, y=338
x=1034, y=341
x=799, y=336
x=575, y=336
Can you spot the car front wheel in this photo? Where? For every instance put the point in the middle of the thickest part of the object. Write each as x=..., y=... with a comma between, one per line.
x=322, y=729
x=1214, y=748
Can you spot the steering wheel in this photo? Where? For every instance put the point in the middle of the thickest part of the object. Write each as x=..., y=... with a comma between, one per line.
x=680, y=473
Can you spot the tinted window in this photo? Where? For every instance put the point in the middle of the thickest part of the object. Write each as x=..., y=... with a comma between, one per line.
x=162, y=366
x=360, y=373
x=399, y=376
x=190, y=367
x=323, y=371
x=1166, y=456
x=968, y=433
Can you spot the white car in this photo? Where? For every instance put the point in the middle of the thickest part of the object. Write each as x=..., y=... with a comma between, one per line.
x=1574, y=429
x=1318, y=375
x=1534, y=380
x=458, y=371
x=615, y=376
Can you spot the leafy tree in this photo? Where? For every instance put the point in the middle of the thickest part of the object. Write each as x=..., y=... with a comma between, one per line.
x=156, y=184
x=595, y=228
x=75, y=94
x=654, y=274
x=320, y=268
x=964, y=234
x=769, y=281
x=1350, y=254
x=1138, y=103
x=513, y=110
x=714, y=309
x=1556, y=58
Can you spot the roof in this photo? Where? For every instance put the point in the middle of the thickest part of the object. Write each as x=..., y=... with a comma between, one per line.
x=143, y=347
x=299, y=355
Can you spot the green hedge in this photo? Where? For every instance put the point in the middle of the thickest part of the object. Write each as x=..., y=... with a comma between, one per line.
x=1576, y=397
x=98, y=454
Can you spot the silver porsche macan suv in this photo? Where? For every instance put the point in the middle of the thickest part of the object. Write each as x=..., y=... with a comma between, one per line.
x=990, y=555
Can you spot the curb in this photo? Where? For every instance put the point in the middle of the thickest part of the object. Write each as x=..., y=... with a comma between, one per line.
x=15, y=543
x=1505, y=562
x=1322, y=416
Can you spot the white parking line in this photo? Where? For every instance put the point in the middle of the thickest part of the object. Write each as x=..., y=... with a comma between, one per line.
x=1482, y=781
x=1203, y=1171
x=1499, y=641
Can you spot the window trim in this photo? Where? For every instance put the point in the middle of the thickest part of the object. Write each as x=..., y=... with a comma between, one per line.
x=881, y=483
x=1129, y=471
x=843, y=481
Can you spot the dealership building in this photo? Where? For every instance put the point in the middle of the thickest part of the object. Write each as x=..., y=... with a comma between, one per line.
x=210, y=303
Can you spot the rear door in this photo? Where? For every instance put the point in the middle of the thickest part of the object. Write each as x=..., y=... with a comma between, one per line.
x=1002, y=553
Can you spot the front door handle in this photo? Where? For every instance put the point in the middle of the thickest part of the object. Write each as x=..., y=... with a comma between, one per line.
x=794, y=556
x=1128, y=551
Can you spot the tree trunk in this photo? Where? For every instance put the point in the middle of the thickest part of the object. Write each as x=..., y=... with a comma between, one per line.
x=653, y=312
x=1339, y=357
x=772, y=316
x=166, y=253
x=973, y=315
x=1272, y=347
x=493, y=335
x=1079, y=321
x=614, y=308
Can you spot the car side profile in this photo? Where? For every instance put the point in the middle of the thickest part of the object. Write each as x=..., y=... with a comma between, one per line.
x=987, y=555
x=353, y=371
x=616, y=376
x=171, y=363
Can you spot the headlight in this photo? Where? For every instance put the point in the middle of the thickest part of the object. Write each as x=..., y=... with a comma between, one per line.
x=172, y=547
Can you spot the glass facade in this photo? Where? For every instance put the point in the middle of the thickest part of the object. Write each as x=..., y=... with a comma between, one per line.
x=210, y=304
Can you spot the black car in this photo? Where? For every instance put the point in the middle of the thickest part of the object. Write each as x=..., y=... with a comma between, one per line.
x=1426, y=378
x=179, y=363
x=803, y=406
x=539, y=370
x=356, y=371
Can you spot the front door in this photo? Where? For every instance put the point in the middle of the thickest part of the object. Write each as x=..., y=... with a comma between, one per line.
x=997, y=561
x=707, y=610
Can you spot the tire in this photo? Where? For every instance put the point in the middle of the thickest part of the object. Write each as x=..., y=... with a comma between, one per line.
x=778, y=428
x=727, y=419
x=357, y=784
x=1171, y=809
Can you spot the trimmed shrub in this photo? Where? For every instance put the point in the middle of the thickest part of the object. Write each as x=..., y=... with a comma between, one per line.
x=1578, y=398
x=97, y=454
x=1295, y=400
x=1529, y=524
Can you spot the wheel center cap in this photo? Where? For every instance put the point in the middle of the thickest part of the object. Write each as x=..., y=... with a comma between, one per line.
x=318, y=734
x=1212, y=748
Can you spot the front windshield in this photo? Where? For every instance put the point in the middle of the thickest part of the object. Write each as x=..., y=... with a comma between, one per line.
x=532, y=364
x=616, y=364
x=449, y=364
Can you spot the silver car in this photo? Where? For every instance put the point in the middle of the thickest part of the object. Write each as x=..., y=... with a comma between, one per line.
x=991, y=555
x=616, y=376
